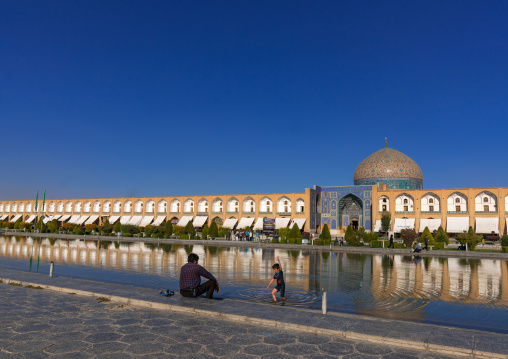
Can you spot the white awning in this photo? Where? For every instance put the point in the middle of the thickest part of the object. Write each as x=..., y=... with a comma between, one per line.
x=91, y=220
x=245, y=222
x=281, y=222
x=146, y=221
x=230, y=223
x=487, y=225
x=64, y=217
x=378, y=226
x=15, y=218
x=199, y=221
x=74, y=218
x=56, y=217
x=433, y=224
x=125, y=219
x=82, y=220
x=184, y=220
x=457, y=224
x=403, y=223
x=47, y=219
x=158, y=221
x=3, y=217
x=134, y=221
x=30, y=219
x=299, y=221
x=259, y=224
x=113, y=219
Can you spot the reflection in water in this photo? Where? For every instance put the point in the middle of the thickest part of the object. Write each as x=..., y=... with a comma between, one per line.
x=454, y=291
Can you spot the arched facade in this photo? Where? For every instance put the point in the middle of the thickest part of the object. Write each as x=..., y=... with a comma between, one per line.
x=217, y=206
x=138, y=206
x=21, y=207
x=486, y=202
x=404, y=203
x=284, y=205
x=457, y=202
x=96, y=207
x=14, y=207
x=266, y=205
x=117, y=207
x=127, y=206
x=51, y=207
x=28, y=207
x=68, y=207
x=203, y=206
x=430, y=203
x=233, y=205
x=249, y=205
x=150, y=206
x=106, y=208
x=175, y=206
x=188, y=206
x=87, y=207
x=384, y=203
x=162, y=206
x=300, y=205
x=77, y=206
x=59, y=207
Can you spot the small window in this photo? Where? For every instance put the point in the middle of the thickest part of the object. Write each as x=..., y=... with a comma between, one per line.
x=485, y=199
x=457, y=208
x=431, y=200
x=486, y=208
x=384, y=200
x=405, y=201
x=406, y=209
x=384, y=207
x=457, y=200
x=431, y=208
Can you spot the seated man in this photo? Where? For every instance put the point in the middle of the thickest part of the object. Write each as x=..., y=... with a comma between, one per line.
x=190, y=279
x=418, y=248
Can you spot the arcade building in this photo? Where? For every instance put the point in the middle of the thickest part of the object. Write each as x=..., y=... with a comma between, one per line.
x=387, y=180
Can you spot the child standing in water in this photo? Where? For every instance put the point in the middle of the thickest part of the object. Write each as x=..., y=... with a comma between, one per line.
x=279, y=278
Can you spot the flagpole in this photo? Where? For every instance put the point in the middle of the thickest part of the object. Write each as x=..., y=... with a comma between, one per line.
x=35, y=228
x=42, y=213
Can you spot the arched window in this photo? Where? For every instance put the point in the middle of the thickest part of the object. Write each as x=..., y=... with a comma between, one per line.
x=457, y=202
x=96, y=207
x=188, y=206
x=300, y=205
x=106, y=207
x=14, y=207
x=217, y=205
x=77, y=206
x=283, y=205
x=486, y=202
x=138, y=206
x=51, y=207
x=162, y=206
x=1, y=207
x=431, y=200
x=117, y=207
x=404, y=203
x=203, y=206
x=127, y=206
x=265, y=205
x=384, y=204
x=87, y=206
x=233, y=205
x=175, y=206
x=59, y=207
x=249, y=206
x=7, y=207
x=21, y=207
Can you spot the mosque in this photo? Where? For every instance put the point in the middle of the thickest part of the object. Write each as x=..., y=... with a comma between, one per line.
x=387, y=180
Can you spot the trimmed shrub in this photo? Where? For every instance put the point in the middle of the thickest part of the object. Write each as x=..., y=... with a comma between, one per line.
x=168, y=229
x=282, y=240
x=77, y=231
x=470, y=238
x=184, y=236
x=370, y=237
x=319, y=242
x=325, y=235
x=89, y=228
x=117, y=227
x=398, y=245
x=426, y=234
x=504, y=249
x=441, y=236
x=189, y=229
x=127, y=235
x=214, y=230
x=386, y=218
x=438, y=245
x=504, y=240
x=377, y=244
x=53, y=226
x=349, y=233
x=295, y=234
x=204, y=231
x=292, y=240
x=361, y=233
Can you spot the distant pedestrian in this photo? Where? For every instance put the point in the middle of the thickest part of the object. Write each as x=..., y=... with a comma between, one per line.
x=426, y=241
x=483, y=242
x=391, y=242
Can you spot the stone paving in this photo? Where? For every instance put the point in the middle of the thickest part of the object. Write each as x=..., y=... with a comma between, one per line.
x=39, y=323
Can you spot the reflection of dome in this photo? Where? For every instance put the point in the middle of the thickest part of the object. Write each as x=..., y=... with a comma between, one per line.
x=390, y=167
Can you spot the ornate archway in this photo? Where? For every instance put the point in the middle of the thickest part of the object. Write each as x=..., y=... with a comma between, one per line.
x=351, y=211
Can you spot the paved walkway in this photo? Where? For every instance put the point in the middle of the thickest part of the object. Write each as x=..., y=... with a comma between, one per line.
x=48, y=324
x=69, y=310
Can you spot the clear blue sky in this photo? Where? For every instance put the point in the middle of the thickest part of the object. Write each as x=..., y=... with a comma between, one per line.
x=147, y=98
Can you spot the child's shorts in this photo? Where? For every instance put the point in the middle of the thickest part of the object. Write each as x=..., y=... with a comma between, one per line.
x=281, y=289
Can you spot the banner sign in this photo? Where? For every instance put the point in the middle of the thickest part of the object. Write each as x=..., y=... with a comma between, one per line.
x=268, y=225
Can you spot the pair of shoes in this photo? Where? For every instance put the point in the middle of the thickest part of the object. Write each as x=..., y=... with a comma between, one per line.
x=166, y=293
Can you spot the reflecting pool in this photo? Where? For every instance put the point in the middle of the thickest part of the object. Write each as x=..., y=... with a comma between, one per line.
x=468, y=293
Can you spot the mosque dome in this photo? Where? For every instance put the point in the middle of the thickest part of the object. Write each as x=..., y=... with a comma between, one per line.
x=390, y=167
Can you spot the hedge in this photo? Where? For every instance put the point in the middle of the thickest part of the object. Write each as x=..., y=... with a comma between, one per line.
x=318, y=242
x=438, y=245
x=504, y=249
x=377, y=244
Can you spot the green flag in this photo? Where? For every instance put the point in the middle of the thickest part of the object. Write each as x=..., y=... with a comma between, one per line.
x=36, y=199
x=44, y=201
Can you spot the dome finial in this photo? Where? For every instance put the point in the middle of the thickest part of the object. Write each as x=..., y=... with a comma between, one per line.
x=386, y=142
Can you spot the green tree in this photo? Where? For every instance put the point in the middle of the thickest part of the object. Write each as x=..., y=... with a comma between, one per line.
x=408, y=236
x=39, y=225
x=426, y=234
x=361, y=233
x=470, y=238
x=349, y=233
x=441, y=236
x=168, y=229
x=117, y=227
x=386, y=218
x=204, y=232
x=295, y=232
x=53, y=226
x=189, y=229
x=214, y=230
x=325, y=235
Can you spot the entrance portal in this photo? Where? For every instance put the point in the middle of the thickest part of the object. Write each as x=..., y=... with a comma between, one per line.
x=350, y=211
x=354, y=224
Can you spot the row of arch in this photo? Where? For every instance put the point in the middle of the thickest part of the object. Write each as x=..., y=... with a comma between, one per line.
x=266, y=205
x=456, y=202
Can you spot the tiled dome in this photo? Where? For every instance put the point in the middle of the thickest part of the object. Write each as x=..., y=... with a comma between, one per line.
x=388, y=164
